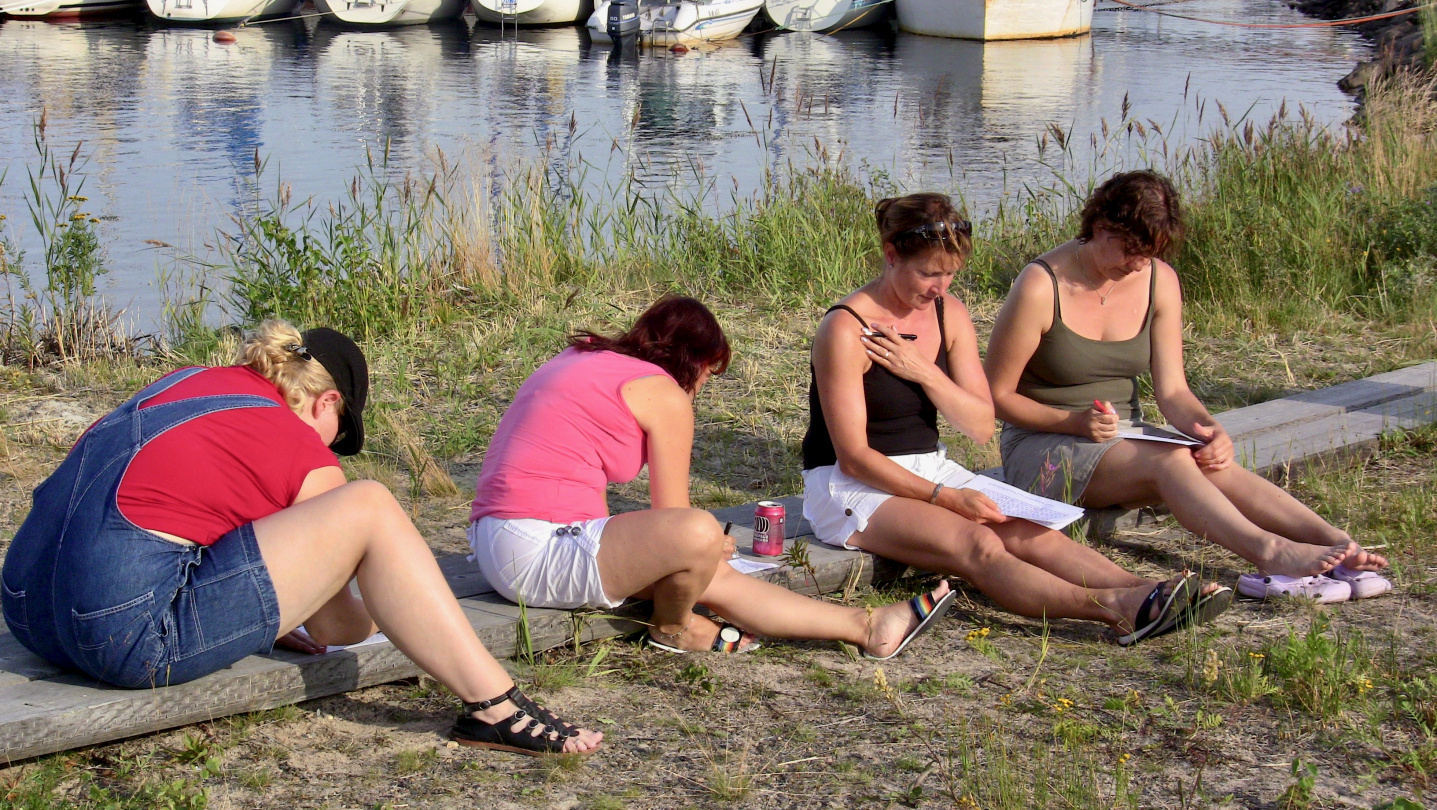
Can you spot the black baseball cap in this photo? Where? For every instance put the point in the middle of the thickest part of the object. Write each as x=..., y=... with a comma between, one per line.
x=342, y=358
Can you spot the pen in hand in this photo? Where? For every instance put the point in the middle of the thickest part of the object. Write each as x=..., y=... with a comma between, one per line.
x=1103, y=407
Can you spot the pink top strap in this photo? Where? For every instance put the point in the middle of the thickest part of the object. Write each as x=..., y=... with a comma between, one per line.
x=568, y=435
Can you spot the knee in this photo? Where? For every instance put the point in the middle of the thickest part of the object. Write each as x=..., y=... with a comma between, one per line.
x=699, y=535
x=371, y=502
x=978, y=546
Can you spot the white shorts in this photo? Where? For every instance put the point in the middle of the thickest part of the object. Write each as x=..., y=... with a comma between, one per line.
x=837, y=505
x=549, y=565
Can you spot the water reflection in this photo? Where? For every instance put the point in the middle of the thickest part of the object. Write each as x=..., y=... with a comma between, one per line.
x=381, y=85
x=174, y=119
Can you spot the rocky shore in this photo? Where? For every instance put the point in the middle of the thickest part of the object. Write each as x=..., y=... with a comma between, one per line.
x=1399, y=40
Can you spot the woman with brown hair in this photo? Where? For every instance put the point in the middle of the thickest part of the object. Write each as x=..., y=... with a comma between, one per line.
x=1080, y=325
x=207, y=518
x=887, y=360
x=596, y=414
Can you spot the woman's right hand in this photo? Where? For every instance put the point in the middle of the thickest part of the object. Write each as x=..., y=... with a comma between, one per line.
x=971, y=504
x=1096, y=425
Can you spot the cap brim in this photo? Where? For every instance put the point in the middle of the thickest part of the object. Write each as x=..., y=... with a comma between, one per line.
x=353, y=429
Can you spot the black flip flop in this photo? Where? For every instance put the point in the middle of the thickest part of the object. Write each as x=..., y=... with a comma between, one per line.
x=1206, y=607
x=1160, y=614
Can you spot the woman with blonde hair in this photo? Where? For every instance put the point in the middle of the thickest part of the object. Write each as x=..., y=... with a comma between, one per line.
x=887, y=360
x=207, y=517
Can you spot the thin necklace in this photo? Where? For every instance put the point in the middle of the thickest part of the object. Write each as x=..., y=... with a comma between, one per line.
x=1103, y=297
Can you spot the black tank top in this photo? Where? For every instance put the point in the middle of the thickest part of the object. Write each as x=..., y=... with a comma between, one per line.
x=901, y=418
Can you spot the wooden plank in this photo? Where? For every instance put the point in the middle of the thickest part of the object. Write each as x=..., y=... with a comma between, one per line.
x=1279, y=414
x=19, y=665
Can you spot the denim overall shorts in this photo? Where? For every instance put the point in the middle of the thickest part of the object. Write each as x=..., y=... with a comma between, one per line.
x=86, y=589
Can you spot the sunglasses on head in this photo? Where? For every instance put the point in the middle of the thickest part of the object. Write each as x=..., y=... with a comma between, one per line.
x=941, y=231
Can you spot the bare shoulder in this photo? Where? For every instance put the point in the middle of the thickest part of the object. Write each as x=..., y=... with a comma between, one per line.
x=956, y=316
x=1033, y=285
x=1030, y=300
x=1167, y=287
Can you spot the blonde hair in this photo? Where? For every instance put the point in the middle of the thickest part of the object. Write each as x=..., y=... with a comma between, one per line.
x=273, y=350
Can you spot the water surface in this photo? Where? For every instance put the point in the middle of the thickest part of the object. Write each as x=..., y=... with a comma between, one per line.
x=172, y=120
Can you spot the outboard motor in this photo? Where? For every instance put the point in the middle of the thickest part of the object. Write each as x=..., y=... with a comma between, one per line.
x=623, y=19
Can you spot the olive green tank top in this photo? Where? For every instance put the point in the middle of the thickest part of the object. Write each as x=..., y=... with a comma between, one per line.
x=1069, y=371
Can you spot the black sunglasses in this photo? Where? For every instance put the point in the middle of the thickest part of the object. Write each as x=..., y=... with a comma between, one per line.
x=940, y=231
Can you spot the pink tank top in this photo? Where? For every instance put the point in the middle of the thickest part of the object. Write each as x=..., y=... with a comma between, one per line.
x=568, y=435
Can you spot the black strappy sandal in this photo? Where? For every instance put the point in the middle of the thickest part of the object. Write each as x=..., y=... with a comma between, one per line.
x=469, y=730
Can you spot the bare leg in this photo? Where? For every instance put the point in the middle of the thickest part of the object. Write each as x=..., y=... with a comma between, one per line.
x=674, y=556
x=770, y=610
x=670, y=556
x=312, y=549
x=1144, y=472
x=1273, y=509
x=934, y=539
x=1058, y=554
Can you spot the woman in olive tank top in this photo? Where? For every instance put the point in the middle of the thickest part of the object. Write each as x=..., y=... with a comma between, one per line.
x=887, y=360
x=1081, y=324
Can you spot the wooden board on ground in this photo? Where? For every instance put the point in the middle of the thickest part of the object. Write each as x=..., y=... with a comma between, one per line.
x=43, y=710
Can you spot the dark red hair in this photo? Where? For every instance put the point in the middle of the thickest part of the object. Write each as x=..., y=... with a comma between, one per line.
x=678, y=334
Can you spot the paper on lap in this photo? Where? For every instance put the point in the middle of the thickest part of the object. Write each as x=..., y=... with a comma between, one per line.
x=374, y=639
x=1153, y=434
x=1016, y=503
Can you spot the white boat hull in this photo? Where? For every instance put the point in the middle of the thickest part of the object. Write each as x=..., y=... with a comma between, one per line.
x=996, y=19
x=220, y=11
x=65, y=9
x=823, y=16
x=543, y=12
x=383, y=13
x=685, y=23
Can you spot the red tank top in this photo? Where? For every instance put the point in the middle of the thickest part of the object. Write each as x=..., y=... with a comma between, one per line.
x=217, y=472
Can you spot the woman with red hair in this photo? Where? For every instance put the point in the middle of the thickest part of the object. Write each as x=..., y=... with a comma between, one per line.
x=596, y=414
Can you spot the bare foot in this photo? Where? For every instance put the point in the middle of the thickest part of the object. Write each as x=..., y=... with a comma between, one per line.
x=1363, y=560
x=892, y=623
x=584, y=742
x=1303, y=559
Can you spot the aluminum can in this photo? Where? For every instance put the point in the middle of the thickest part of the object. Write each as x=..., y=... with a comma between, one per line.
x=768, y=529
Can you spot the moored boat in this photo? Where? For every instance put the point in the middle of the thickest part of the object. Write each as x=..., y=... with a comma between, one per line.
x=531, y=12
x=665, y=24
x=823, y=16
x=996, y=19
x=220, y=11
x=383, y=13
x=65, y=9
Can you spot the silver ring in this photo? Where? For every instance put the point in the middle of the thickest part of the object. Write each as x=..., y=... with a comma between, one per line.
x=887, y=354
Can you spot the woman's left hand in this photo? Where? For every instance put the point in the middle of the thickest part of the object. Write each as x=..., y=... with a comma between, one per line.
x=1217, y=453
x=300, y=641
x=901, y=357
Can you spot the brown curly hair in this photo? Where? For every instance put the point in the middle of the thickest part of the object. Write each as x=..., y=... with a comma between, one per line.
x=1140, y=206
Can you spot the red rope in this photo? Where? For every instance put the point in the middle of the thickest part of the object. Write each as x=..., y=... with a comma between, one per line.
x=1322, y=24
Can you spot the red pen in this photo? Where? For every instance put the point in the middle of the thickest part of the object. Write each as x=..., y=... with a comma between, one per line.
x=1103, y=407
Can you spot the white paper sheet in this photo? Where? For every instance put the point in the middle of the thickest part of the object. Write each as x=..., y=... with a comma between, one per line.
x=1169, y=435
x=744, y=565
x=374, y=639
x=1014, y=502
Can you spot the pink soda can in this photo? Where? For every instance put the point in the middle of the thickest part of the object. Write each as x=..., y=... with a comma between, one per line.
x=768, y=529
